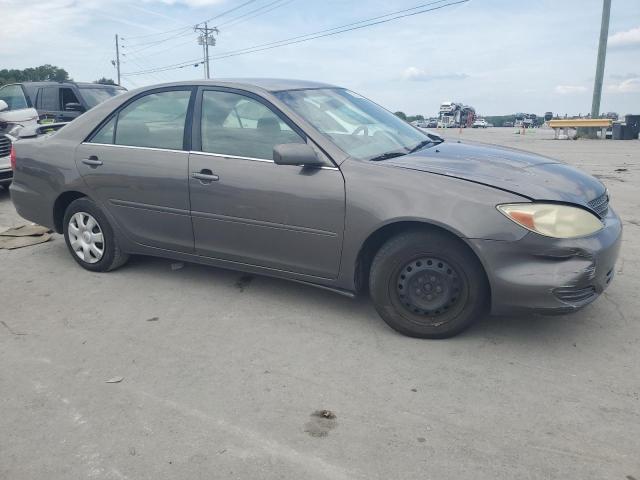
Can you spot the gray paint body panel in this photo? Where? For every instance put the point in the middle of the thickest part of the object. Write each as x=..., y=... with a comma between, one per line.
x=310, y=225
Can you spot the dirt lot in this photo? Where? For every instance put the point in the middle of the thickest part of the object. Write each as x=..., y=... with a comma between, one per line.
x=226, y=375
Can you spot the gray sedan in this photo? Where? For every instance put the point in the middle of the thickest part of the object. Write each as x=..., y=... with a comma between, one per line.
x=316, y=184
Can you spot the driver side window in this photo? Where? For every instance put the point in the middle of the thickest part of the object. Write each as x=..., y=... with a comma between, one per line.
x=234, y=124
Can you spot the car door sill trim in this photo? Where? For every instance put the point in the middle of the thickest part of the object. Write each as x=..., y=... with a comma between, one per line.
x=297, y=277
x=261, y=223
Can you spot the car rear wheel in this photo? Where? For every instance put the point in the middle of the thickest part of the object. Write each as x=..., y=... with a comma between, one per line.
x=90, y=238
x=428, y=284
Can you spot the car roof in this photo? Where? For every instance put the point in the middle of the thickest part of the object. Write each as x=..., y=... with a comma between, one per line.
x=53, y=82
x=268, y=84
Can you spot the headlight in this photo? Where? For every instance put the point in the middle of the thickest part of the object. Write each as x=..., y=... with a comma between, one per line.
x=551, y=220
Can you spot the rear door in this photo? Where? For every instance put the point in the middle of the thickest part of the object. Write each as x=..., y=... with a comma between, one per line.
x=247, y=209
x=136, y=165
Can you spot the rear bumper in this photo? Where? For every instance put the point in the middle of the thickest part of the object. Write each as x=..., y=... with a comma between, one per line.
x=31, y=204
x=550, y=276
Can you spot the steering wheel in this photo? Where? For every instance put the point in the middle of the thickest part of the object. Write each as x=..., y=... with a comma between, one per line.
x=361, y=128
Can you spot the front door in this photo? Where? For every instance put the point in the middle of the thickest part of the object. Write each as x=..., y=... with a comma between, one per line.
x=136, y=166
x=247, y=209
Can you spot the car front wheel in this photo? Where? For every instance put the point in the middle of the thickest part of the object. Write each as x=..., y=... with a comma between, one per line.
x=90, y=238
x=428, y=284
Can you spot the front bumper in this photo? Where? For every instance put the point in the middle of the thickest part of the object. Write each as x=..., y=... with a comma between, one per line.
x=547, y=275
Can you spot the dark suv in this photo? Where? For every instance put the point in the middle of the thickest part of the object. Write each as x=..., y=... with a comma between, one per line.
x=64, y=101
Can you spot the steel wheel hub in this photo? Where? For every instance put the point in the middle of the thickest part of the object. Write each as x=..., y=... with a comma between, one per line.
x=85, y=237
x=428, y=286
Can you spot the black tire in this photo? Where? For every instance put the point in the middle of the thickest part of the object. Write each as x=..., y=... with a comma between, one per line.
x=428, y=284
x=112, y=256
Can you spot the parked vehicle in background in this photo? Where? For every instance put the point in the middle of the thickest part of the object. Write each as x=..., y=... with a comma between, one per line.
x=526, y=120
x=27, y=103
x=15, y=114
x=480, y=123
x=317, y=184
x=65, y=101
x=420, y=124
x=508, y=124
x=454, y=114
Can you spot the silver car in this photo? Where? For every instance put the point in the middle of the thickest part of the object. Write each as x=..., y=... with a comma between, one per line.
x=316, y=184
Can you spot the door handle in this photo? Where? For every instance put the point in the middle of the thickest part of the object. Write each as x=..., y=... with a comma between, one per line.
x=92, y=161
x=205, y=176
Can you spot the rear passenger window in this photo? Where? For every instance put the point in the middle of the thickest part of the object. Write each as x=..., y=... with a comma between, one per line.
x=48, y=99
x=233, y=124
x=156, y=120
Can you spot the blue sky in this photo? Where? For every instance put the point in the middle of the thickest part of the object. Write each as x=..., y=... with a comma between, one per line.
x=501, y=56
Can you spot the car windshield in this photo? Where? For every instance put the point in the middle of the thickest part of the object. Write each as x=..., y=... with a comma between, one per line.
x=358, y=126
x=95, y=95
x=14, y=97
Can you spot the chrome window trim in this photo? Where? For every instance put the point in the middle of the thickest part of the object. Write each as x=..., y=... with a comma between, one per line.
x=224, y=155
x=156, y=149
x=194, y=152
x=252, y=159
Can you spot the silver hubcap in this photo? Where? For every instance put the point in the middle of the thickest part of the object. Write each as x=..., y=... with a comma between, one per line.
x=85, y=237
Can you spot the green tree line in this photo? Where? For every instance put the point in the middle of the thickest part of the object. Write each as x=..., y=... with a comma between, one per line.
x=42, y=73
x=35, y=74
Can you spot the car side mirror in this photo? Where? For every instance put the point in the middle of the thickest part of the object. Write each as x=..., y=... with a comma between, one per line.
x=3, y=105
x=73, y=107
x=296, y=154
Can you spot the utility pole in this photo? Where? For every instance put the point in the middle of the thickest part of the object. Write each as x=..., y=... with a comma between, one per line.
x=602, y=53
x=116, y=63
x=206, y=39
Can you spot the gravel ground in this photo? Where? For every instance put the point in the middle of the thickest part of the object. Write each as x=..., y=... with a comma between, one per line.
x=225, y=375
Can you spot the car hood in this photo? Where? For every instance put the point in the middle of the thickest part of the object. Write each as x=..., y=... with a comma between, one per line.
x=21, y=116
x=529, y=175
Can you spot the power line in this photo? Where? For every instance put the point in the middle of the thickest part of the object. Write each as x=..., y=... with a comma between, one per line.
x=229, y=11
x=164, y=32
x=259, y=11
x=148, y=45
x=158, y=52
x=233, y=21
x=195, y=62
x=182, y=32
x=319, y=34
x=189, y=27
x=341, y=29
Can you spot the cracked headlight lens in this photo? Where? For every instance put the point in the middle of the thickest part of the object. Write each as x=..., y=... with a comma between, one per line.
x=552, y=220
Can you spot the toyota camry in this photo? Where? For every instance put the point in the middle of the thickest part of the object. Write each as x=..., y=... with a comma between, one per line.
x=316, y=184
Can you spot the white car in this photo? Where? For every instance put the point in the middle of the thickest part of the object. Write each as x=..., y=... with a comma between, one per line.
x=480, y=123
x=15, y=113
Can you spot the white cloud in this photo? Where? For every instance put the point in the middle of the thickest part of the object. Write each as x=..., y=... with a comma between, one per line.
x=416, y=74
x=630, y=85
x=570, y=89
x=628, y=38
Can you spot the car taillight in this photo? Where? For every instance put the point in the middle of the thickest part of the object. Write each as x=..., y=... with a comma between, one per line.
x=12, y=157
